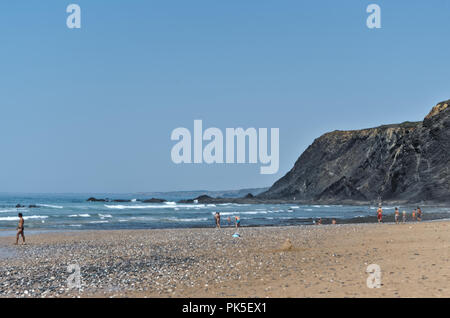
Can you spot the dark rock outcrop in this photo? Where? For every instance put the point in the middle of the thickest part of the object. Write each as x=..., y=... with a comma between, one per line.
x=154, y=200
x=200, y=199
x=408, y=162
x=92, y=199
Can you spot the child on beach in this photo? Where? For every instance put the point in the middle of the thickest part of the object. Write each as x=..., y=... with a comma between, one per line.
x=404, y=216
x=20, y=229
x=397, y=215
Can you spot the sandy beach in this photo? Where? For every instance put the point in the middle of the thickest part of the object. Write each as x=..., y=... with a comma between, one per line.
x=323, y=261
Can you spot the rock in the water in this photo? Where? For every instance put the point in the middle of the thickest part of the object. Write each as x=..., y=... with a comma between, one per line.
x=200, y=199
x=92, y=199
x=154, y=200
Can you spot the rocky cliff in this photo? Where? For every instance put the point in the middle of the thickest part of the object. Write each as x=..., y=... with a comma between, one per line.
x=406, y=162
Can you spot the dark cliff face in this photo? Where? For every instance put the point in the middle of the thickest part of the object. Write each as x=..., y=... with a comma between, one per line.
x=407, y=162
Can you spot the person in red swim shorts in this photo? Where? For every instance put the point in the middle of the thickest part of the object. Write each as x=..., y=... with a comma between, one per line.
x=380, y=214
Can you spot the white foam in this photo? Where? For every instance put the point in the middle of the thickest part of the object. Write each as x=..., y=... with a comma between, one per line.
x=35, y=217
x=79, y=216
x=8, y=210
x=16, y=218
x=105, y=215
x=243, y=212
x=188, y=220
x=95, y=222
x=155, y=206
x=50, y=206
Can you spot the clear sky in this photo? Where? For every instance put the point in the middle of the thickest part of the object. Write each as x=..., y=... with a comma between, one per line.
x=92, y=110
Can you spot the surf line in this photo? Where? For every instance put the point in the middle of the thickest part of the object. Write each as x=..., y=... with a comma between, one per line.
x=213, y=152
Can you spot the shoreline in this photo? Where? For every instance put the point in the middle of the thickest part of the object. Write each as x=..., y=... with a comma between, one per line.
x=326, y=222
x=322, y=261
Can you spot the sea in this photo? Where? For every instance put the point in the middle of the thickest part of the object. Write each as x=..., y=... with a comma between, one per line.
x=62, y=212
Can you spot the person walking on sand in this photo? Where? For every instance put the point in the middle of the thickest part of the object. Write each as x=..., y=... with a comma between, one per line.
x=404, y=217
x=414, y=215
x=380, y=214
x=419, y=214
x=217, y=217
x=20, y=229
x=397, y=215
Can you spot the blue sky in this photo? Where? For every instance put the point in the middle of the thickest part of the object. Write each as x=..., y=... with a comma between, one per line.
x=92, y=110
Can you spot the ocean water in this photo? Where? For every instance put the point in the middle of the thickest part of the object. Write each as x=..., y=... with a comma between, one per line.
x=73, y=212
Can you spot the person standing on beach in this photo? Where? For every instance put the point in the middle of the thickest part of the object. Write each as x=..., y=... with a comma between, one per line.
x=419, y=214
x=20, y=229
x=404, y=216
x=217, y=217
x=414, y=215
x=238, y=221
x=397, y=215
x=379, y=214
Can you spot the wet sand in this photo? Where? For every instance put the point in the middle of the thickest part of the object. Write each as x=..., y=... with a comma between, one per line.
x=323, y=261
